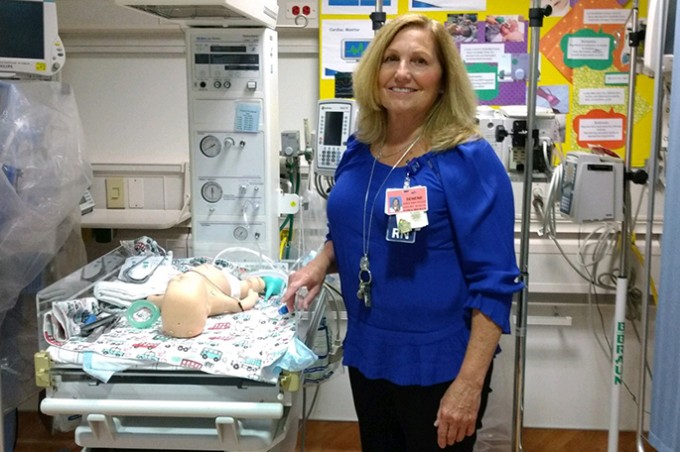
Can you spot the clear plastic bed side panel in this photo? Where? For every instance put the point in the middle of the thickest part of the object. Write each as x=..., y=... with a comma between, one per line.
x=78, y=284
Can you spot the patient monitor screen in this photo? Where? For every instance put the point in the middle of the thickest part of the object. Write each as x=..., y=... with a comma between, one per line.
x=21, y=29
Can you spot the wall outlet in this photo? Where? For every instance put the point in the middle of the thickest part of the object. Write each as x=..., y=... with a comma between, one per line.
x=301, y=8
x=115, y=193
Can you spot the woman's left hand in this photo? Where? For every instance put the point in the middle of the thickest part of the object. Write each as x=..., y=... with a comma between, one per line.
x=457, y=414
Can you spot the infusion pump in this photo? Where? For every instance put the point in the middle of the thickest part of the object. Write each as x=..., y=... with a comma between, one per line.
x=592, y=187
x=336, y=121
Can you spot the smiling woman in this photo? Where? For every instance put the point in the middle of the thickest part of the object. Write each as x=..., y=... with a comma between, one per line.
x=418, y=382
x=409, y=80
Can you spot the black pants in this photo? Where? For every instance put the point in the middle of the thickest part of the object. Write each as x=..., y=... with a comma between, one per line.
x=395, y=418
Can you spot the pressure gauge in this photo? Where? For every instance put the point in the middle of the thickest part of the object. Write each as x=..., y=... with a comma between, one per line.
x=240, y=233
x=210, y=146
x=211, y=191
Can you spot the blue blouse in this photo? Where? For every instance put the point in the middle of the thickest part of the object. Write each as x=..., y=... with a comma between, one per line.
x=422, y=293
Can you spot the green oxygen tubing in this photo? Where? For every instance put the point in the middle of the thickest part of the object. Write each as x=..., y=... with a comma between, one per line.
x=142, y=314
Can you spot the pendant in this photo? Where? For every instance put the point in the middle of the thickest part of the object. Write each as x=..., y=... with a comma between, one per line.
x=365, y=278
x=364, y=293
x=364, y=263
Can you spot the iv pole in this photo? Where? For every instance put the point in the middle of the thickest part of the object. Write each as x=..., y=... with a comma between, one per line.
x=653, y=171
x=619, y=323
x=2, y=416
x=536, y=14
x=378, y=17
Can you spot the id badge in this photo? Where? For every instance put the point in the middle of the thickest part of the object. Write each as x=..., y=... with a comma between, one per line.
x=395, y=234
x=412, y=199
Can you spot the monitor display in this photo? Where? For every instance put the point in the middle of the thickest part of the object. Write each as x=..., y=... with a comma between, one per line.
x=21, y=30
x=29, y=39
x=333, y=128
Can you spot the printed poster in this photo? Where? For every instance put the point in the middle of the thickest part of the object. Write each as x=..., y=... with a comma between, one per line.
x=447, y=5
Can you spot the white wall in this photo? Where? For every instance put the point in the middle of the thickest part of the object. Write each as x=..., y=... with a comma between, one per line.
x=132, y=94
x=133, y=107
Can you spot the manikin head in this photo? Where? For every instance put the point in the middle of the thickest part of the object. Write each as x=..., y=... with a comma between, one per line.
x=185, y=306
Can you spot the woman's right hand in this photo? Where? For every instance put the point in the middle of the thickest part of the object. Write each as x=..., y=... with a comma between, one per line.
x=310, y=277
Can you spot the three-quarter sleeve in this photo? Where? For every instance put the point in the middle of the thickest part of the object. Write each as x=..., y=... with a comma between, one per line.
x=481, y=208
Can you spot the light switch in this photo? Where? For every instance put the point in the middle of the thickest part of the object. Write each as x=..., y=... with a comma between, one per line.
x=115, y=193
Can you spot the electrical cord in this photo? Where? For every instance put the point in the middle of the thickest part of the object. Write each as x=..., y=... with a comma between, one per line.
x=603, y=245
x=302, y=247
x=549, y=228
x=545, y=144
x=600, y=243
x=335, y=354
x=549, y=223
x=323, y=185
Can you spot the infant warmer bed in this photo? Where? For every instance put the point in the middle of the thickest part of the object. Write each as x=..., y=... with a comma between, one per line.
x=235, y=387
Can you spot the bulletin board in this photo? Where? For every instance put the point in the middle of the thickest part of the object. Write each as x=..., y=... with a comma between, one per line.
x=584, y=64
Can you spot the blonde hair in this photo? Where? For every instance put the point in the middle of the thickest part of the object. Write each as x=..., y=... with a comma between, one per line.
x=452, y=118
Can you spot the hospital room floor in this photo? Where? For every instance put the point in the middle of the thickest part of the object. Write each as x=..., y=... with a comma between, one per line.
x=322, y=436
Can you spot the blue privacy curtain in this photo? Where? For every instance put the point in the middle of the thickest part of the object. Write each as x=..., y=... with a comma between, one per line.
x=665, y=419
